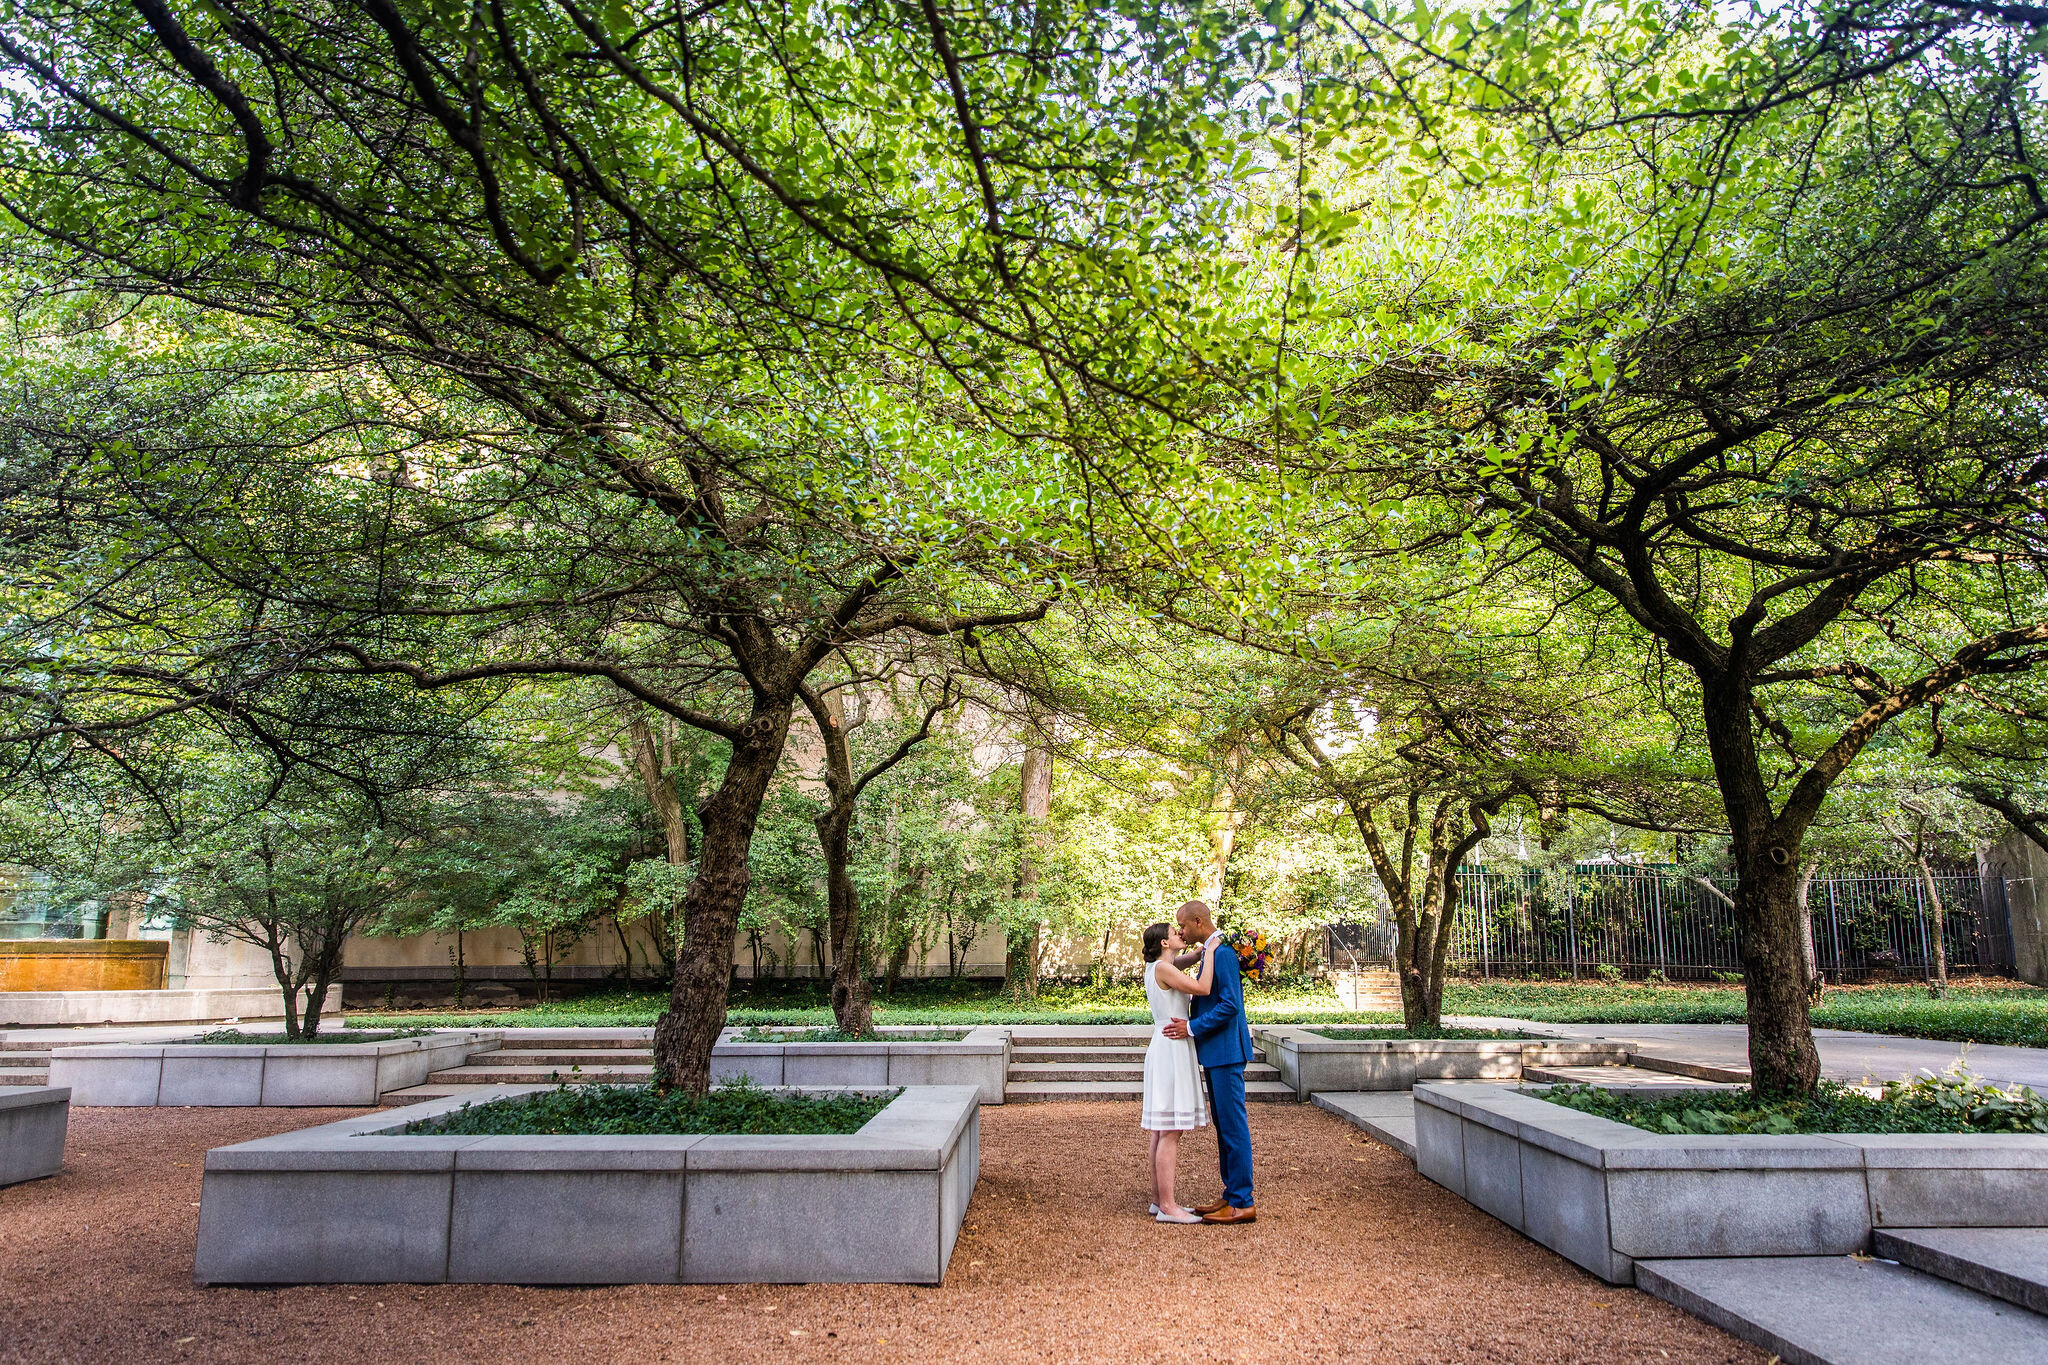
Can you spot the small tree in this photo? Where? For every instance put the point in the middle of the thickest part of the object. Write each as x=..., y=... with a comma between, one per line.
x=298, y=879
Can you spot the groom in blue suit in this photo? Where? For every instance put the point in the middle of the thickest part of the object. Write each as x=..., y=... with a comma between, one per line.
x=1223, y=1044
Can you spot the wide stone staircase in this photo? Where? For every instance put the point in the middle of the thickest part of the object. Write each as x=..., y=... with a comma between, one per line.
x=569, y=1056
x=1071, y=1062
x=1047, y=1062
x=24, y=1063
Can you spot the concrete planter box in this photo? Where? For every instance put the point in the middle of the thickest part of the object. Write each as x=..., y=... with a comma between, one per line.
x=1605, y=1195
x=268, y=1074
x=32, y=1124
x=359, y=1202
x=1312, y=1063
x=981, y=1059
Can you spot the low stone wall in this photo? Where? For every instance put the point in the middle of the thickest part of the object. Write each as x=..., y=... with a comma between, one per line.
x=1605, y=1195
x=128, y=1075
x=1313, y=1064
x=981, y=1059
x=32, y=1123
x=70, y=1009
x=359, y=1202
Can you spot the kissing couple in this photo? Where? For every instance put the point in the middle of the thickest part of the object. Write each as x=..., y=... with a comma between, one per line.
x=1198, y=1035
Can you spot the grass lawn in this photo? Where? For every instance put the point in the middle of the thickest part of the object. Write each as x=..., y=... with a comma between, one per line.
x=1990, y=1012
x=940, y=1004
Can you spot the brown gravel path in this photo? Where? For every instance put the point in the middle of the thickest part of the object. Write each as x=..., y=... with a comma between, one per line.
x=1356, y=1259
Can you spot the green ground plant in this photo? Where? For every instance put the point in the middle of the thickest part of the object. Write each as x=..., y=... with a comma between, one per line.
x=237, y=1038
x=1953, y=1102
x=633, y=1109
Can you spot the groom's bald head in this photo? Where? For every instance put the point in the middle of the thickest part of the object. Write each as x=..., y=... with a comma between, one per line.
x=1197, y=921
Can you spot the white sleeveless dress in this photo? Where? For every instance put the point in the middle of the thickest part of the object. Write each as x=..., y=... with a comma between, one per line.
x=1174, y=1098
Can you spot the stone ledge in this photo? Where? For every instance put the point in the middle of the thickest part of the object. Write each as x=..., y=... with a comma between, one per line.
x=1605, y=1194
x=33, y=1120
x=360, y=1201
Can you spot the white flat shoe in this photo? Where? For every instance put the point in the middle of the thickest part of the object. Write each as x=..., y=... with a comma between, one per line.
x=1152, y=1209
x=1159, y=1217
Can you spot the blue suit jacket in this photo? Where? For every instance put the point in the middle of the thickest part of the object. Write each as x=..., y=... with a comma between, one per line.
x=1216, y=1021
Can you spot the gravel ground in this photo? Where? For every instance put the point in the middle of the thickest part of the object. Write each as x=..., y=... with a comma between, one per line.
x=1355, y=1258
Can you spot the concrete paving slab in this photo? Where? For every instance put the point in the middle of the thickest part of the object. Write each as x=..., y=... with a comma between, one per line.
x=1387, y=1116
x=1618, y=1078
x=2006, y=1263
x=1841, y=1310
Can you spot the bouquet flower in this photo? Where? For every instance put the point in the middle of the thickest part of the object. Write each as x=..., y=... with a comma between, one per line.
x=1252, y=955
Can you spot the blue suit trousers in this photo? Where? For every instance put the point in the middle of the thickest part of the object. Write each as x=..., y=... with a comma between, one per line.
x=1233, y=1132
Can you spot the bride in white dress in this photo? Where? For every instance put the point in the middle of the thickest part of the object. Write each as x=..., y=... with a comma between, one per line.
x=1174, y=1100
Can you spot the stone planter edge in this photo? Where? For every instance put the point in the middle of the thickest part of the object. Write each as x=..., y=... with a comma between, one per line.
x=1605, y=1194
x=33, y=1120
x=354, y=1201
x=274, y=1075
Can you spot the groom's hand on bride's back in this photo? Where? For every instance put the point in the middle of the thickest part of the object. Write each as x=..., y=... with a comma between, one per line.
x=1175, y=1028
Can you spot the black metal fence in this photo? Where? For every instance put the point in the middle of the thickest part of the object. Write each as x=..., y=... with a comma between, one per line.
x=1647, y=920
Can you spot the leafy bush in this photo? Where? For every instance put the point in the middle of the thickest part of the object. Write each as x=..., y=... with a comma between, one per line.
x=629, y=1109
x=1954, y=1102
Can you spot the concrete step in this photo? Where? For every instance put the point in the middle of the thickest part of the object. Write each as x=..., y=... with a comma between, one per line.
x=635, y=1056
x=1618, y=1078
x=13, y=1059
x=1088, y=1055
x=490, y=1074
x=1387, y=1116
x=1842, y=1310
x=1699, y=1071
x=2006, y=1263
x=25, y=1076
x=1027, y=1092
x=1114, y=1071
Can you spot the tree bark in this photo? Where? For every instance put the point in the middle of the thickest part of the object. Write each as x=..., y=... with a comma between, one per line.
x=1782, y=1058
x=688, y=1029
x=1021, y=961
x=1940, y=987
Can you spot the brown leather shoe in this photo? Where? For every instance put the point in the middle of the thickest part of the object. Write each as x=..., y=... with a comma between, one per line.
x=1206, y=1209
x=1226, y=1214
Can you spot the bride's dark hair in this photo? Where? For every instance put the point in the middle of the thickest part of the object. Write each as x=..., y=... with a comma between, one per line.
x=1155, y=940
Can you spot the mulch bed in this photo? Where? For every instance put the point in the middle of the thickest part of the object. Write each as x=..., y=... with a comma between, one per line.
x=1355, y=1258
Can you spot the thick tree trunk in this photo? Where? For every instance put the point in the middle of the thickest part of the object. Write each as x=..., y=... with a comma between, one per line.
x=1782, y=1056
x=853, y=994
x=1021, y=961
x=688, y=1029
